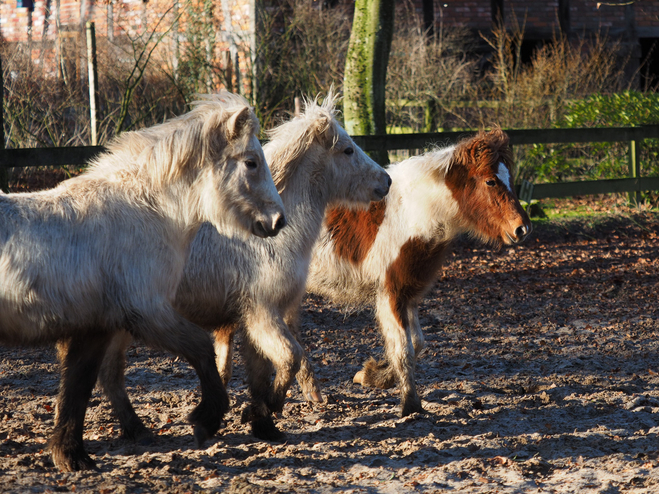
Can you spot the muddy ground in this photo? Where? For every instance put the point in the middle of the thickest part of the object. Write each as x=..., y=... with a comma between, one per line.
x=541, y=375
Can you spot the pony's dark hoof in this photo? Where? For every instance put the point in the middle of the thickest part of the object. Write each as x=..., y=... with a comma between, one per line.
x=206, y=421
x=139, y=435
x=72, y=461
x=411, y=407
x=201, y=435
x=264, y=428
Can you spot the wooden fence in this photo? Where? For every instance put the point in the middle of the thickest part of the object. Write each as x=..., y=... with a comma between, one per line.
x=634, y=136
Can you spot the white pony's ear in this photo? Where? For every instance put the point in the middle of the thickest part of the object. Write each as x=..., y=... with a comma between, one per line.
x=324, y=132
x=240, y=123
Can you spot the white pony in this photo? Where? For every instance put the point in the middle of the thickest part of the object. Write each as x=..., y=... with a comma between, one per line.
x=105, y=251
x=255, y=285
x=390, y=256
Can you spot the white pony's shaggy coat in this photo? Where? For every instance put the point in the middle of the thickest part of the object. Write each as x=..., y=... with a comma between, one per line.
x=105, y=251
x=255, y=284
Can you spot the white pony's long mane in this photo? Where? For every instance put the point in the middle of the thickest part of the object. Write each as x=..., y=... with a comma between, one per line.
x=167, y=151
x=295, y=137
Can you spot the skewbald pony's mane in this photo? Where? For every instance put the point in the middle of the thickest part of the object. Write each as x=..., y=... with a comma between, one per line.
x=181, y=145
x=295, y=137
x=484, y=151
x=477, y=154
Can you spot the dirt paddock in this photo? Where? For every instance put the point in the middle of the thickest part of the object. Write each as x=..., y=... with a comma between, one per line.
x=541, y=374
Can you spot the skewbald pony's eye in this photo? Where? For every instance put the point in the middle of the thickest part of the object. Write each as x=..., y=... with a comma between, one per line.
x=490, y=182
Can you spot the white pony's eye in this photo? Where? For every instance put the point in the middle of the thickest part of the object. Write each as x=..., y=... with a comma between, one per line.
x=349, y=151
x=251, y=164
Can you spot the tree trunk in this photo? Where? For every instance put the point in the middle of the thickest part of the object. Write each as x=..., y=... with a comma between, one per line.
x=366, y=69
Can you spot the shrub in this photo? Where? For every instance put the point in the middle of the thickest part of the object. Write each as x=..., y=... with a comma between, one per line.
x=599, y=160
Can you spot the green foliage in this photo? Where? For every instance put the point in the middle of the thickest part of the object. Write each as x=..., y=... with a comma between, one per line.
x=197, y=68
x=625, y=109
x=555, y=163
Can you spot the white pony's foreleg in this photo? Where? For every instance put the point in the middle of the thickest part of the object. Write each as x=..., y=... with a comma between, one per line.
x=269, y=339
x=258, y=413
x=170, y=331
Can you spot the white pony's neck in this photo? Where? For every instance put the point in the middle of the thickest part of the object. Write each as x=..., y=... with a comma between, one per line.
x=304, y=196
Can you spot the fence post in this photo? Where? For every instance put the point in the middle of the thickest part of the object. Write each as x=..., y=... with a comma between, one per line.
x=93, y=78
x=634, y=169
x=4, y=177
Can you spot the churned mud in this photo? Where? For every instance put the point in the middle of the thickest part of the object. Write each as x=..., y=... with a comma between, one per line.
x=541, y=374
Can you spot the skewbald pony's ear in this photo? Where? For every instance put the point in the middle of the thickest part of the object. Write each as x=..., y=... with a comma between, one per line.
x=484, y=149
x=240, y=123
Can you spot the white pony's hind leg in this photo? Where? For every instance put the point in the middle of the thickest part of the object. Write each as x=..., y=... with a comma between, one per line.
x=80, y=360
x=112, y=379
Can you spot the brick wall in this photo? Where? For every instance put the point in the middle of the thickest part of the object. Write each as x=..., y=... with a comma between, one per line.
x=541, y=16
x=130, y=18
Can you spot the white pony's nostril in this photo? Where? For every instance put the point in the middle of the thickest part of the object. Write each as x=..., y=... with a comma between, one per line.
x=280, y=223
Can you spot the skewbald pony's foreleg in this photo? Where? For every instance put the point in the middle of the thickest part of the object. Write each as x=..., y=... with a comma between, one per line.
x=403, y=342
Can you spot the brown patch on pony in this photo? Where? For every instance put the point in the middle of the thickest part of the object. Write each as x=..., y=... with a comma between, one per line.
x=412, y=274
x=353, y=231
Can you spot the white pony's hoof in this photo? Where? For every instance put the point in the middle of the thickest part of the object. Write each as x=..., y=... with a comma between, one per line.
x=315, y=396
x=359, y=377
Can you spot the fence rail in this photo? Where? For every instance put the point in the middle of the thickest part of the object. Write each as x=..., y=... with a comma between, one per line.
x=634, y=136
x=81, y=155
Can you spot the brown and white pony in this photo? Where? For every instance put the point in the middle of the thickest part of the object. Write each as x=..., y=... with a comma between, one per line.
x=253, y=285
x=390, y=255
x=105, y=251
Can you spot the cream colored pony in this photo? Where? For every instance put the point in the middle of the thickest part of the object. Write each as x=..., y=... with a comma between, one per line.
x=105, y=251
x=256, y=285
